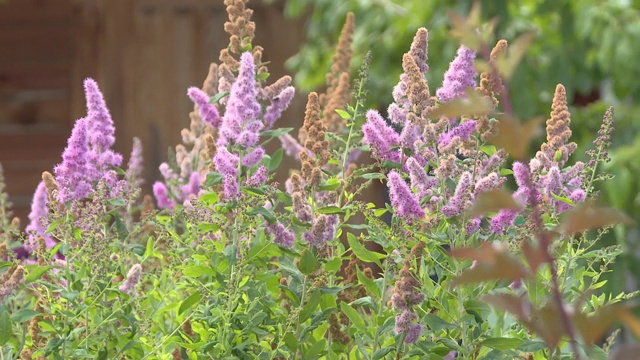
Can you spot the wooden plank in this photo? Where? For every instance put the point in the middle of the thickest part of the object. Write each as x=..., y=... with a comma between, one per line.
x=45, y=41
x=34, y=75
x=34, y=107
x=28, y=147
x=34, y=11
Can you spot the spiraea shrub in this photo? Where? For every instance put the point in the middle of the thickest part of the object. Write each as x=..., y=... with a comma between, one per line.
x=482, y=252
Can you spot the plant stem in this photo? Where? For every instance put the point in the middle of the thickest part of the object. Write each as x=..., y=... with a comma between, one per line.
x=382, y=303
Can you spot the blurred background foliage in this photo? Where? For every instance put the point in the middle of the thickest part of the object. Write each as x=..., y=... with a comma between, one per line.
x=590, y=46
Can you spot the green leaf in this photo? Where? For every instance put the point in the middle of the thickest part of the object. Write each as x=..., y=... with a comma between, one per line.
x=5, y=327
x=372, y=176
x=276, y=132
x=437, y=324
x=265, y=213
x=310, y=306
x=213, y=178
x=36, y=273
x=333, y=265
x=362, y=252
x=353, y=315
x=189, y=302
x=210, y=198
x=330, y=210
x=316, y=349
x=308, y=263
x=217, y=97
x=329, y=185
x=263, y=76
x=369, y=284
x=276, y=159
x=343, y=114
x=502, y=343
x=116, y=202
x=207, y=228
x=149, y=248
x=291, y=341
x=195, y=271
x=23, y=315
x=381, y=353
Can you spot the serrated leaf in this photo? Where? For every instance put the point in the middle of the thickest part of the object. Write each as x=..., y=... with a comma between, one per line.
x=473, y=104
x=515, y=137
x=189, y=302
x=492, y=201
x=507, y=62
x=360, y=251
x=586, y=216
x=493, y=262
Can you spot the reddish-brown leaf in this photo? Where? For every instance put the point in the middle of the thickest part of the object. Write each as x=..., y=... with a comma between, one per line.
x=514, y=136
x=587, y=215
x=492, y=201
x=472, y=104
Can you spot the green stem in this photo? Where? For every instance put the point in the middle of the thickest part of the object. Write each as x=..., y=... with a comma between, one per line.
x=382, y=303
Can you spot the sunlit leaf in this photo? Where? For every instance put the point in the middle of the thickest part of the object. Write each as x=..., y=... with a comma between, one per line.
x=507, y=63
x=492, y=201
x=502, y=343
x=472, y=104
x=361, y=252
x=310, y=306
x=308, y=262
x=465, y=28
x=493, y=262
x=587, y=215
x=353, y=315
x=189, y=302
x=514, y=136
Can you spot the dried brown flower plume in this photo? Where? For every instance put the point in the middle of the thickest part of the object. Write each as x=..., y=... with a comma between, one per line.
x=558, y=131
x=315, y=130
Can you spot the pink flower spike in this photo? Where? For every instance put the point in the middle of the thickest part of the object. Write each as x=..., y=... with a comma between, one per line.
x=208, y=112
x=162, y=196
x=460, y=76
x=74, y=175
x=278, y=105
x=402, y=199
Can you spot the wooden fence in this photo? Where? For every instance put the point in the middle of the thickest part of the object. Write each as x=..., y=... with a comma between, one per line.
x=144, y=55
